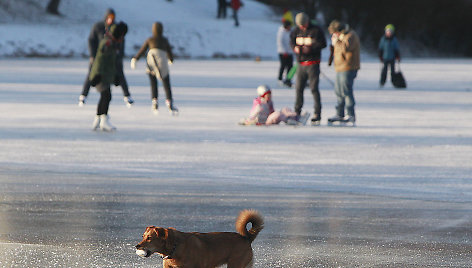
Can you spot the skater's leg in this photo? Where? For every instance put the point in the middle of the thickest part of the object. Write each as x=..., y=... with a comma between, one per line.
x=167, y=89
x=338, y=90
x=235, y=16
x=274, y=118
x=282, y=66
x=153, y=81
x=392, y=69
x=314, y=78
x=105, y=98
x=121, y=78
x=86, y=86
x=288, y=66
x=349, y=92
x=383, y=74
x=301, y=83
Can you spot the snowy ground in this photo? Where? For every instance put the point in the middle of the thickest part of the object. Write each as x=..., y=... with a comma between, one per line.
x=395, y=191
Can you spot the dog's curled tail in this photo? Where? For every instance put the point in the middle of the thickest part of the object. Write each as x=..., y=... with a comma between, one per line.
x=249, y=216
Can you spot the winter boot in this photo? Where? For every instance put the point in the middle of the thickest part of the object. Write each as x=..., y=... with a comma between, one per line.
x=96, y=123
x=172, y=109
x=105, y=123
x=316, y=120
x=155, y=106
x=82, y=99
x=128, y=101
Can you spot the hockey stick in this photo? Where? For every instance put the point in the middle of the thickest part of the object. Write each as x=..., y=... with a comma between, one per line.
x=327, y=78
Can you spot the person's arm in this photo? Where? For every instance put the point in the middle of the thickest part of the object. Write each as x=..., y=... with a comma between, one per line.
x=142, y=50
x=93, y=41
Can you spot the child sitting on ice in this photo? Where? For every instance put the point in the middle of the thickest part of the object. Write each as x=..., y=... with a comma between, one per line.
x=263, y=113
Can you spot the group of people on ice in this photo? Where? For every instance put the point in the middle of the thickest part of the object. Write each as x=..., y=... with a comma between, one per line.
x=106, y=47
x=305, y=42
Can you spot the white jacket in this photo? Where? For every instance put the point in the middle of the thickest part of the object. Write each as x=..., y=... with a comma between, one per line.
x=283, y=41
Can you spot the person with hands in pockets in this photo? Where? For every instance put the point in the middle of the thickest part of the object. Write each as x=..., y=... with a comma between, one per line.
x=307, y=41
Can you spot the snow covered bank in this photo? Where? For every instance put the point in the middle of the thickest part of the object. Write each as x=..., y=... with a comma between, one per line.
x=191, y=27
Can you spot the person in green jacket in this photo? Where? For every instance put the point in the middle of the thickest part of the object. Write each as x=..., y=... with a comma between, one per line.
x=103, y=73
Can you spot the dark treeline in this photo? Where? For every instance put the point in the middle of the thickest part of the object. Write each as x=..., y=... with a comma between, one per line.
x=440, y=27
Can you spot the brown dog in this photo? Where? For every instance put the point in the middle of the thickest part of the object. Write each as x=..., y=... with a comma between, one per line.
x=203, y=250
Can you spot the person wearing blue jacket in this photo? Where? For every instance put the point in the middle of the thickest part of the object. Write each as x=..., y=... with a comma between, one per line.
x=389, y=50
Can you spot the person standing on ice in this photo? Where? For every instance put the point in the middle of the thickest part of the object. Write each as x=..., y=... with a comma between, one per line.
x=236, y=5
x=285, y=52
x=389, y=50
x=159, y=54
x=346, y=53
x=307, y=41
x=103, y=72
x=97, y=33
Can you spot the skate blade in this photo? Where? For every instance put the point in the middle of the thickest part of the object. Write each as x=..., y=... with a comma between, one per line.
x=174, y=113
x=315, y=123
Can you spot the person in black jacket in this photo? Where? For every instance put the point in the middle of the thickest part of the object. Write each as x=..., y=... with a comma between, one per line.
x=97, y=33
x=307, y=41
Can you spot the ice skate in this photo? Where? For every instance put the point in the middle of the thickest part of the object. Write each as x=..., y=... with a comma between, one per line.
x=300, y=121
x=155, y=106
x=335, y=120
x=316, y=120
x=105, y=124
x=128, y=101
x=350, y=120
x=96, y=123
x=82, y=99
x=172, y=109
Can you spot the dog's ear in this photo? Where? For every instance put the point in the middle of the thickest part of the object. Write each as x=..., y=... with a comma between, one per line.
x=161, y=232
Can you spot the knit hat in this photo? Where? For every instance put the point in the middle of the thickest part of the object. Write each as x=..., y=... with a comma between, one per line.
x=390, y=27
x=301, y=19
x=263, y=90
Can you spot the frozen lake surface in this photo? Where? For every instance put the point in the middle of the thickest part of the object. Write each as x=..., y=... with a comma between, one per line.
x=395, y=191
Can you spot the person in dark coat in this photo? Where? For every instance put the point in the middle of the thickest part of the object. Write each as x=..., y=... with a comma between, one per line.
x=103, y=72
x=221, y=9
x=389, y=50
x=159, y=54
x=97, y=33
x=307, y=41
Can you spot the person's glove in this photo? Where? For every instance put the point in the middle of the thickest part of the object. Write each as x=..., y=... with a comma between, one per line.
x=133, y=63
x=170, y=61
x=296, y=49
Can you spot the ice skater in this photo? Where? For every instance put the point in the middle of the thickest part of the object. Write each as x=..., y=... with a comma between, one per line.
x=159, y=54
x=103, y=73
x=263, y=113
x=307, y=41
x=285, y=52
x=346, y=63
x=389, y=50
x=97, y=33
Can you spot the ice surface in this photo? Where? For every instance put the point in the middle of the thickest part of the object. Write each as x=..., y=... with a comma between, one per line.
x=395, y=191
